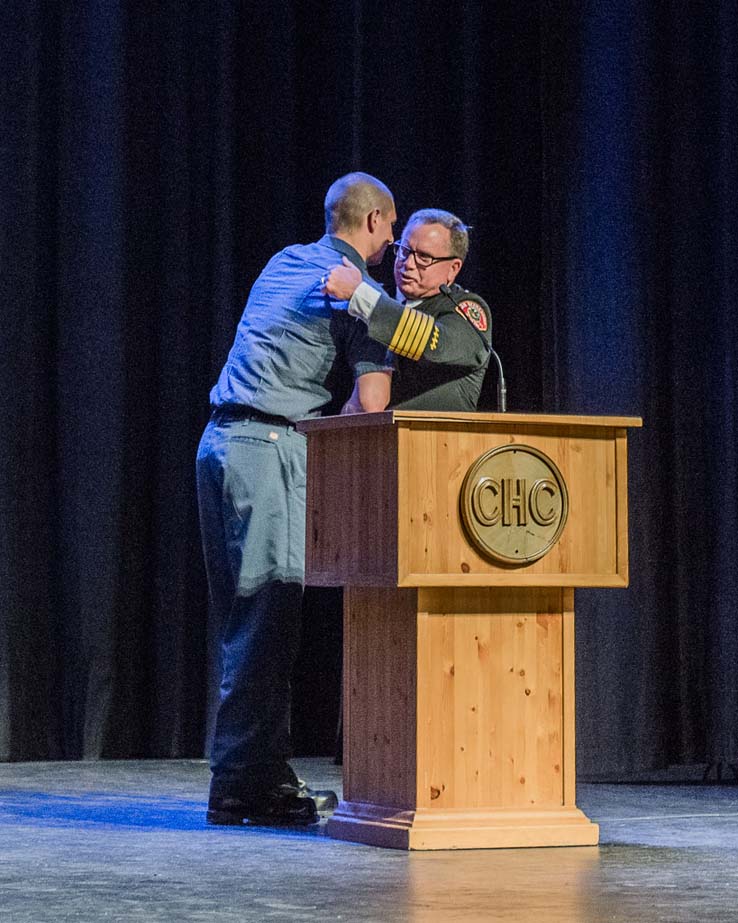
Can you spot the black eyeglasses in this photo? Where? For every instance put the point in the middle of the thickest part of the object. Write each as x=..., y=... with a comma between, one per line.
x=423, y=260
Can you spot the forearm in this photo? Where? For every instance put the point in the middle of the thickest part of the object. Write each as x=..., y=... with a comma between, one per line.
x=373, y=391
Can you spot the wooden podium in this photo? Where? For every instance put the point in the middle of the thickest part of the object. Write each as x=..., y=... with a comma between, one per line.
x=459, y=667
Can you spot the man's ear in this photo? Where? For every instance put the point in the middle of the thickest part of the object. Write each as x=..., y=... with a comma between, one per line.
x=453, y=270
x=372, y=219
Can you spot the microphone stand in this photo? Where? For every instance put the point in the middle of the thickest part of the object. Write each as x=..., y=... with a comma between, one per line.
x=501, y=386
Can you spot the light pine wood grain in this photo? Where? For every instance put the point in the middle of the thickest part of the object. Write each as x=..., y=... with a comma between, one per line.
x=383, y=500
x=459, y=708
x=459, y=719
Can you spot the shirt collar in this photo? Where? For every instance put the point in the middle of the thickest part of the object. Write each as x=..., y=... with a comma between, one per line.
x=409, y=302
x=346, y=249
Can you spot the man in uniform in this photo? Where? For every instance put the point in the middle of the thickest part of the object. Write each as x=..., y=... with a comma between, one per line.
x=439, y=334
x=289, y=348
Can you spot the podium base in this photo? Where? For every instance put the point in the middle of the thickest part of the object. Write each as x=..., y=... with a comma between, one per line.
x=376, y=825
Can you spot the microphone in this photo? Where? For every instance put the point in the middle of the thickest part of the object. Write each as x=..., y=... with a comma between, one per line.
x=501, y=386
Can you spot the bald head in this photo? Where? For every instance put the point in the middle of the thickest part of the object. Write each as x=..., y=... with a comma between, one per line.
x=351, y=198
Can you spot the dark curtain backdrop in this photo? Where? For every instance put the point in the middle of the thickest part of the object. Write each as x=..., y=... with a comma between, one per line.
x=154, y=157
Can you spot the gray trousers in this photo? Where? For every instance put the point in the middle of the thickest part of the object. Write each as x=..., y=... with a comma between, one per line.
x=251, y=486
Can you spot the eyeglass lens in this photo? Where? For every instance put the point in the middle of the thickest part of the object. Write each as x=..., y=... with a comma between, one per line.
x=404, y=253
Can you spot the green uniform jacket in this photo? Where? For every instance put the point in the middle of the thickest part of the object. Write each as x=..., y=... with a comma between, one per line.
x=441, y=348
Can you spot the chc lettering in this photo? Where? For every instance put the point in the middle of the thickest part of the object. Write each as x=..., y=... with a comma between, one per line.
x=510, y=502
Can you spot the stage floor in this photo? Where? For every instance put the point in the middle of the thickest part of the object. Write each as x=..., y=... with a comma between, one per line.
x=100, y=841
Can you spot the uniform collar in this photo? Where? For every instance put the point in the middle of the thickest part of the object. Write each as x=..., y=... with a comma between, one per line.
x=346, y=249
x=410, y=302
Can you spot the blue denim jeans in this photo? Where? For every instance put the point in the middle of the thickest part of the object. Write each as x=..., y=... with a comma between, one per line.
x=251, y=493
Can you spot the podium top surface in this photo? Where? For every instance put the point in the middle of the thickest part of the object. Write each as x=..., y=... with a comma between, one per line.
x=393, y=417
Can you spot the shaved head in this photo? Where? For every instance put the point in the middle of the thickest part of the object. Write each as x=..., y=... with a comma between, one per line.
x=351, y=198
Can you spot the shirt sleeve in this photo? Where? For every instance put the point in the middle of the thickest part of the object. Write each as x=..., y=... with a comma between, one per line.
x=363, y=354
x=363, y=301
x=460, y=335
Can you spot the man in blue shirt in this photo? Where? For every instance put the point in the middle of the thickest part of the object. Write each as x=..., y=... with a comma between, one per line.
x=290, y=346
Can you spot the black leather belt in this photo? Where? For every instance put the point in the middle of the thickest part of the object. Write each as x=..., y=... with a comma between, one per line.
x=241, y=412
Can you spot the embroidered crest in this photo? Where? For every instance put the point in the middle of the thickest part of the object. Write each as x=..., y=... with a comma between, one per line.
x=474, y=313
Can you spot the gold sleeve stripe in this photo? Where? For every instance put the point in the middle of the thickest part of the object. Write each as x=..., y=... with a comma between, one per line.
x=416, y=348
x=412, y=334
x=400, y=328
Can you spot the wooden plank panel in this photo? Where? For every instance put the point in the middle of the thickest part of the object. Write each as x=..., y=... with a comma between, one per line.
x=621, y=477
x=352, y=507
x=383, y=504
x=379, y=696
x=459, y=720
x=499, y=421
x=433, y=544
x=490, y=699
x=569, y=700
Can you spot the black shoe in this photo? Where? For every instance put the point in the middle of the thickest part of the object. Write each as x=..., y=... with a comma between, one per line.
x=325, y=800
x=281, y=806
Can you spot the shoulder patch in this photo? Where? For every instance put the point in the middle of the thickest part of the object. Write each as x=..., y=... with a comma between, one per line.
x=474, y=313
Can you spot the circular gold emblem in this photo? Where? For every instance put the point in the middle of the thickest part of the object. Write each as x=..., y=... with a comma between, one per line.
x=514, y=504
